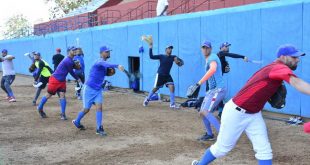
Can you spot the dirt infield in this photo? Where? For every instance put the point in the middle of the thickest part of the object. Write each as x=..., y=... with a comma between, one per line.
x=136, y=135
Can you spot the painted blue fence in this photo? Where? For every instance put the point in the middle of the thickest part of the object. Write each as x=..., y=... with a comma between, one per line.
x=254, y=30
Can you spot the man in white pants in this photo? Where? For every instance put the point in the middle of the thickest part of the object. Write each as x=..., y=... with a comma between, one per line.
x=162, y=7
x=243, y=112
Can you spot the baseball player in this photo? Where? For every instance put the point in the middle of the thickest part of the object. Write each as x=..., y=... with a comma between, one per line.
x=163, y=76
x=216, y=92
x=79, y=72
x=8, y=75
x=57, y=83
x=92, y=90
x=43, y=74
x=57, y=58
x=243, y=111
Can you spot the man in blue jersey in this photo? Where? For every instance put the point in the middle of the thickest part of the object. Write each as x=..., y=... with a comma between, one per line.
x=163, y=76
x=92, y=90
x=57, y=83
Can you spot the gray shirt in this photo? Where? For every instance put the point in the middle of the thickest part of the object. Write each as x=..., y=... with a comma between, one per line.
x=7, y=66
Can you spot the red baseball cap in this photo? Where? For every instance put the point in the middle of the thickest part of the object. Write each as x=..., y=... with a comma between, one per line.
x=58, y=50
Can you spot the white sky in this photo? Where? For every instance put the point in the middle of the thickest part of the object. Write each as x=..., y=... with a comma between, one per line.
x=33, y=10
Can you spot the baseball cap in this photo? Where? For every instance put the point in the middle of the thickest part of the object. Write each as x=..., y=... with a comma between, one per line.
x=105, y=49
x=4, y=51
x=58, y=50
x=225, y=44
x=289, y=50
x=169, y=46
x=207, y=44
x=71, y=48
x=36, y=53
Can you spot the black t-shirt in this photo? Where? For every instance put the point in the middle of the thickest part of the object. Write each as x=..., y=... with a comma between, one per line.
x=166, y=62
x=57, y=58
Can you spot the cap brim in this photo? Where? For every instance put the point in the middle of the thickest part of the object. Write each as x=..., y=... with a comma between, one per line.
x=298, y=54
x=205, y=46
x=171, y=47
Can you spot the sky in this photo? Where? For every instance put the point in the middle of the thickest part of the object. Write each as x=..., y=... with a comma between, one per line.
x=34, y=10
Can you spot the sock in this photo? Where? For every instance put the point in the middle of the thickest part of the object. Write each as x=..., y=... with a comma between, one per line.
x=207, y=125
x=150, y=95
x=63, y=104
x=37, y=94
x=265, y=162
x=213, y=120
x=99, y=118
x=207, y=158
x=41, y=105
x=172, y=98
x=79, y=117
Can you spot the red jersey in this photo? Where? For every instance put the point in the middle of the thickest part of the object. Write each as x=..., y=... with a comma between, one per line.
x=262, y=85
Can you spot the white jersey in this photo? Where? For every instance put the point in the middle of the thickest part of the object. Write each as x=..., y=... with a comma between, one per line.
x=7, y=66
x=161, y=6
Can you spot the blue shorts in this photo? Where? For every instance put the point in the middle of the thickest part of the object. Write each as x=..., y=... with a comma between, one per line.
x=91, y=96
x=212, y=99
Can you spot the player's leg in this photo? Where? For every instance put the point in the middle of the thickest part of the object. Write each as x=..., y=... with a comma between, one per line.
x=44, y=81
x=3, y=79
x=63, y=105
x=98, y=100
x=257, y=133
x=209, y=134
x=42, y=103
x=7, y=84
x=169, y=82
x=233, y=124
x=158, y=83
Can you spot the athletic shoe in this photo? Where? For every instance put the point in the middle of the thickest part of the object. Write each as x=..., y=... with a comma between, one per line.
x=42, y=114
x=174, y=107
x=34, y=103
x=206, y=137
x=145, y=102
x=195, y=162
x=79, y=98
x=101, y=131
x=219, y=115
x=12, y=99
x=78, y=126
x=63, y=116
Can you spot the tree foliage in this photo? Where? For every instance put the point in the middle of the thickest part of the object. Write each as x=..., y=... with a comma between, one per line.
x=17, y=26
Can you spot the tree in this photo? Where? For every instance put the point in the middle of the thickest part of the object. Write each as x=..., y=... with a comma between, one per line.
x=17, y=26
x=61, y=7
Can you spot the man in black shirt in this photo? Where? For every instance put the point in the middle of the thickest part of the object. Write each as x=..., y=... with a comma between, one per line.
x=57, y=58
x=163, y=76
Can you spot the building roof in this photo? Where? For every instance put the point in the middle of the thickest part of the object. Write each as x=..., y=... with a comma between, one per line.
x=90, y=7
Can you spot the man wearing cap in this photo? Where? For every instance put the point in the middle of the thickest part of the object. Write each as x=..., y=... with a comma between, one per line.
x=215, y=94
x=43, y=74
x=57, y=83
x=163, y=76
x=8, y=74
x=92, y=90
x=222, y=54
x=57, y=58
x=79, y=57
x=243, y=111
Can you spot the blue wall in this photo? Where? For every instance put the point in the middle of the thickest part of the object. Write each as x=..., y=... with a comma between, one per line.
x=254, y=30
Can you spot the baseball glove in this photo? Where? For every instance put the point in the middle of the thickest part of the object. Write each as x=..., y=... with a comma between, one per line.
x=179, y=62
x=148, y=39
x=193, y=91
x=110, y=71
x=278, y=99
x=32, y=68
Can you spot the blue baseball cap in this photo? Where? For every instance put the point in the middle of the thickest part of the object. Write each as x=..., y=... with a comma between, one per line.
x=169, y=46
x=105, y=49
x=73, y=48
x=225, y=44
x=4, y=51
x=289, y=50
x=207, y=44
x=36, y=53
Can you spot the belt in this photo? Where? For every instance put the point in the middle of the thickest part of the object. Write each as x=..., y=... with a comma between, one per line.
x=243, y=110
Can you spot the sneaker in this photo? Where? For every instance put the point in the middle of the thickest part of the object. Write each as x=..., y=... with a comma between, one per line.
x=206, y=137
x=78, y=126
x=63, y=116
x=101, y=131
x=79, y=98
x=174, y=107
x=145, y=102
x=12, y=99
x=34, y=103
x=42, y=114
x=195, y=162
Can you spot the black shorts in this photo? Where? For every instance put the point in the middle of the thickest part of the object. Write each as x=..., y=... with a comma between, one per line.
x=44, y=81
x=162, y=80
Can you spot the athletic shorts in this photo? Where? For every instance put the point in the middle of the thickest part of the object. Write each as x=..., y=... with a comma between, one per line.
x=162, y=80
x=212, y=99
x=55, y=86
x=44, y=81
x=91, y=96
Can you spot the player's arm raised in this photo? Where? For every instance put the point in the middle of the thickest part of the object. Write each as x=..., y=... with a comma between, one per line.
x=300, y=85
x=9, y=57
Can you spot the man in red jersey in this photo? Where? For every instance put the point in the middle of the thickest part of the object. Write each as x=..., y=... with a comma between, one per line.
x=243, y=112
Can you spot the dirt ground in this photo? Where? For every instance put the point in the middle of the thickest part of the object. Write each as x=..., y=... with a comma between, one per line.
x=153, y=135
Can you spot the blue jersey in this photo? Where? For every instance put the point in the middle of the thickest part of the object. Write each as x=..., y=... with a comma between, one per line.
x=216, y=80
x=79, y=58
x=97, y=73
